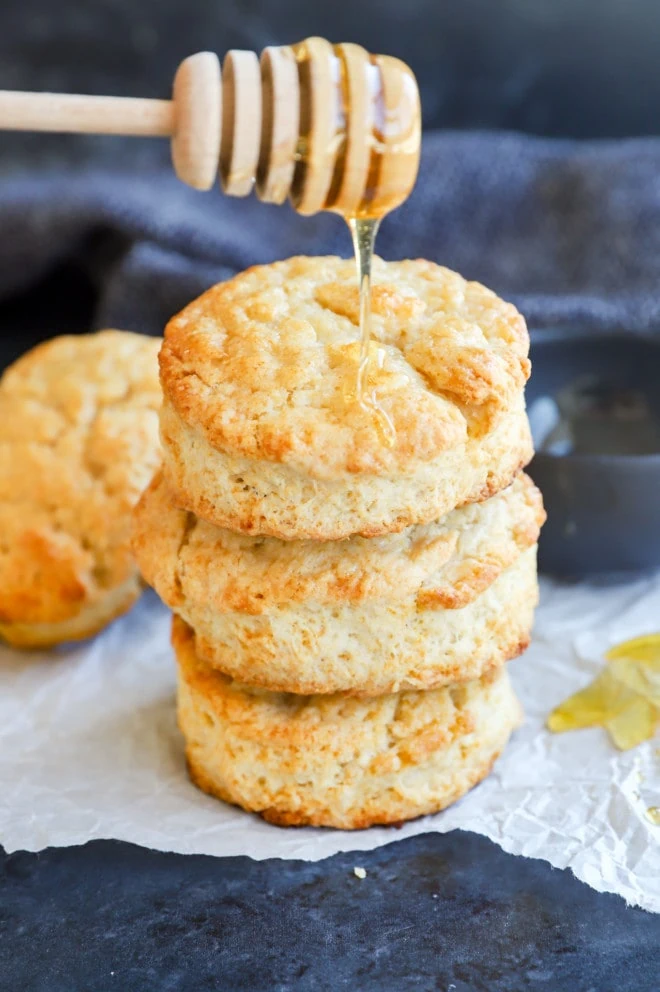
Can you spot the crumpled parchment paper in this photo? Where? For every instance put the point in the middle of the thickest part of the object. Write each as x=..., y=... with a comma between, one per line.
x=89, y=748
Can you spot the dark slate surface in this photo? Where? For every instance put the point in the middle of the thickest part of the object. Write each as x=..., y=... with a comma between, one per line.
x=437, y=912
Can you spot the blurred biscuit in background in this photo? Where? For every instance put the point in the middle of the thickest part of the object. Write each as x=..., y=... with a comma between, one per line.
x=78, y=444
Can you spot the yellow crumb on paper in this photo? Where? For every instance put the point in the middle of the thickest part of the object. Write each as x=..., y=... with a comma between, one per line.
x=624, y=698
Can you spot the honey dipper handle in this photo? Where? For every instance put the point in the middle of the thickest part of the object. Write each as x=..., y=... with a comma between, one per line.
x=79, y=114
x=329, y=126
x=192, y=118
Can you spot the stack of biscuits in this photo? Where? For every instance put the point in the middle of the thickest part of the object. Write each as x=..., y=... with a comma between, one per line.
x=345, y=600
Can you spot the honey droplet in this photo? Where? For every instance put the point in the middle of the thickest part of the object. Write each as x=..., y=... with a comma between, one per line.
x=624, y=698
x=653, y=814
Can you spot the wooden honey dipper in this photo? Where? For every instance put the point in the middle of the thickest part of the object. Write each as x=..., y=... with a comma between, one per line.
x=332, y=127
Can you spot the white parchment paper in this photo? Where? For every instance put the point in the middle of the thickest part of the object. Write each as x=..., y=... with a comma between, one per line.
x=89, y=749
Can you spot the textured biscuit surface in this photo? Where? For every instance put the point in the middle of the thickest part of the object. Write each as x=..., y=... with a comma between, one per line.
x=267, y=499
x=258, y=430
x=78, y=443
x=335, y=760
x=377, y=646
x=434, y=604
x=446, y=563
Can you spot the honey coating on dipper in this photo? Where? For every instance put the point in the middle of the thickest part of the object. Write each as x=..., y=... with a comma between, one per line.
x=624, y=698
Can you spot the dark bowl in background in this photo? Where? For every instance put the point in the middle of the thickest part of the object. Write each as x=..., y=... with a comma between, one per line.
x=603, y=510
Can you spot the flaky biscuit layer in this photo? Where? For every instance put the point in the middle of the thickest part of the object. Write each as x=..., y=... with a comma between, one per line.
x=435, y=604
x=261, y=435
x=446, y=563
x=264, y=498
x=377, y=646
x=334, y=760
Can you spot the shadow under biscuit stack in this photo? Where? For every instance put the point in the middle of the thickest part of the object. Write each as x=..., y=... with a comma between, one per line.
x=344, y=607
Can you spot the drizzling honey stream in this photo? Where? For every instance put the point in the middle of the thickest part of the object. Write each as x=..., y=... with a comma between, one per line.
x=363, y=232
x=361, y=145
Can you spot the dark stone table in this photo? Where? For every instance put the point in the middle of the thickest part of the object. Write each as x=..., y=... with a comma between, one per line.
x=451, y=913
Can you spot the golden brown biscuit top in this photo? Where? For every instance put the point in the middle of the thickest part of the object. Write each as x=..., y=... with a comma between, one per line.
x=262, y=364
x=444, y=564
x=78, y=443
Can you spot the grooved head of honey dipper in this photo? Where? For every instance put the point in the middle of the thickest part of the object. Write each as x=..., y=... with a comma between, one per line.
x=397, y=137
x=359, y=131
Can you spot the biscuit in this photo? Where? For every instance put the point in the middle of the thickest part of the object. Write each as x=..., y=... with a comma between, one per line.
x=375, y=647
x=260, y=436
x=78, y=443
x=436, y=603
x=338, y=761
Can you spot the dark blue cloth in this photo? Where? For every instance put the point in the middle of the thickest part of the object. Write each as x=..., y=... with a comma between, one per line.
x=569, y=231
